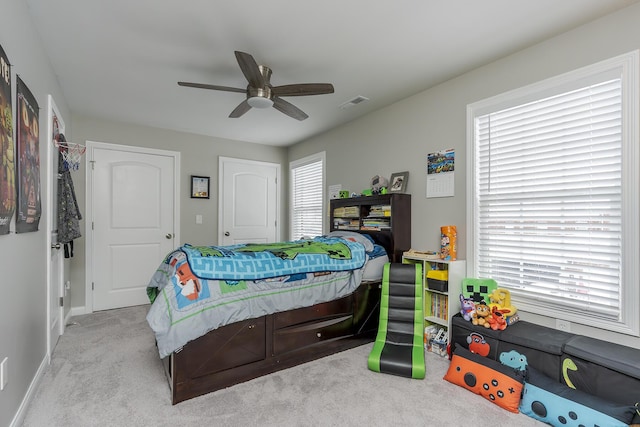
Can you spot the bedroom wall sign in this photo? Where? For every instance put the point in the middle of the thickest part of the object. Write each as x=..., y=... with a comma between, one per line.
x=28, y=144
x=7, y=150
x=199, y=187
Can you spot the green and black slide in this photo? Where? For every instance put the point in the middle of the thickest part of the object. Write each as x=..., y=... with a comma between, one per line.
x=399, y=345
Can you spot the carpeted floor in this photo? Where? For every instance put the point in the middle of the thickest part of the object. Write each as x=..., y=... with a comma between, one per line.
x=106, y=371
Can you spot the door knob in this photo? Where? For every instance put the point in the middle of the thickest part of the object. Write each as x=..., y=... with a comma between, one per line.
x=226, y=233
x=55, y=246
x=169, y=235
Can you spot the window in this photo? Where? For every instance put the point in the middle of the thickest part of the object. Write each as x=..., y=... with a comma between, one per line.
x=307, y=184
x=553, y=195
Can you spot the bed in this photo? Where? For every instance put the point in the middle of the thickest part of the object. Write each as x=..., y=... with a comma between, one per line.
x=225, y=315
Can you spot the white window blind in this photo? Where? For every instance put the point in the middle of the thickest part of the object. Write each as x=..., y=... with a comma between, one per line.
x=307, y=183
x=549, y=195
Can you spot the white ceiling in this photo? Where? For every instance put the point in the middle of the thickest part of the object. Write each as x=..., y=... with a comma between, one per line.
x=121, y=59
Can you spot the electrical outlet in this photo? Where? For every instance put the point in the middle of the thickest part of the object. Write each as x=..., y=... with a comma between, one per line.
x=4, y=377
x=563, y=325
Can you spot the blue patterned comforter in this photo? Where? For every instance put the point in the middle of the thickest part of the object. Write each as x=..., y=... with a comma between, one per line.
x=200, y=288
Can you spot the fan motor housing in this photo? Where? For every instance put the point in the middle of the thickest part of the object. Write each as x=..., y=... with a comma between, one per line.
x=259, y=97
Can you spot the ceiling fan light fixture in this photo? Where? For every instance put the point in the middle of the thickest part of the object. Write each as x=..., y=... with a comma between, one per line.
x=261, y=94
x=260, y=102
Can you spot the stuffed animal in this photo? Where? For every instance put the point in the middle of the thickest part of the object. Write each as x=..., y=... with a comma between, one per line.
x=468, y=307
x=501, y=299
x=481, y=314
x=497, y=320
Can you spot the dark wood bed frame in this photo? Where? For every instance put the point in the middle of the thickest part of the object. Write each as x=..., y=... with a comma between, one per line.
x=252, y=348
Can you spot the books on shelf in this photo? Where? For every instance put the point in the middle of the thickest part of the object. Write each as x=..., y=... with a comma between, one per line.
x=440, y=306
x=376, y=224
x=347, y=211
x=346, y=223
x=380, y=211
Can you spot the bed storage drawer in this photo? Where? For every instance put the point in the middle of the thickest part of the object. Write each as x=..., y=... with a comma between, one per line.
x=342, y=306
x=297, y=337
x=234, y=345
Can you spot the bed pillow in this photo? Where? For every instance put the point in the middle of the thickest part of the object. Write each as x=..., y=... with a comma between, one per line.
x=374, y=268
x=354, y=237
x=490, y=379
x=551, y=402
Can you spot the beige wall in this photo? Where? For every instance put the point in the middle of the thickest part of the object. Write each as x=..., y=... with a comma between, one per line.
x=198, y=155
x=398, y=138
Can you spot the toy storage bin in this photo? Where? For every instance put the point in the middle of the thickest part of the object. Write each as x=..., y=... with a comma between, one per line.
x=476, y=339
x=438, y=280
x=607, y=370
x=541, y=345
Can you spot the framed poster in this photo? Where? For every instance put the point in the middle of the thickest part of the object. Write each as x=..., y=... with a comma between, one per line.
x=28, y=154
x=7, y=148
x=199, y=187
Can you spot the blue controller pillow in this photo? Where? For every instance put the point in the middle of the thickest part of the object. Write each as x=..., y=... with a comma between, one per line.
x=556, y=404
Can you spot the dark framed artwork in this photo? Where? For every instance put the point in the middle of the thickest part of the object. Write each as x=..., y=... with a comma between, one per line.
x=28, y=155
x=200, y=186
x=398, y=182
x=7, y=148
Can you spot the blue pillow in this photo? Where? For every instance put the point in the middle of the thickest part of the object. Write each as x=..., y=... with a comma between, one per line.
x=556, y=404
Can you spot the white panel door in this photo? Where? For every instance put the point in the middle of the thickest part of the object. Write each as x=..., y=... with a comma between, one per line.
x=248, y=201
x=55, y=265
x=133, y=216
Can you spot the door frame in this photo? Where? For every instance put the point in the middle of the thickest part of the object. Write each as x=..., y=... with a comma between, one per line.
x=51, y=180
x=91, y=146
x=248, y=164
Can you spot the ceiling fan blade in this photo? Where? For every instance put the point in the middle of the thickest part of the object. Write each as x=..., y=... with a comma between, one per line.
x=303, y=89
x=213, y=87
x=242, y=108
x=250, y=69
x=288, y=109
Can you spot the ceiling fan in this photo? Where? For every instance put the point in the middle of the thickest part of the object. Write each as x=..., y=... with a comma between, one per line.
x=260, y=93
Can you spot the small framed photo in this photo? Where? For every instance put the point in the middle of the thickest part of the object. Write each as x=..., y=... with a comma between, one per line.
x=398, y=182
x=199, y=187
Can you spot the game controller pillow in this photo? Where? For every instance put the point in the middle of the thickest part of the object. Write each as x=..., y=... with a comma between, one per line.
x=551, y=402
x=490, y=379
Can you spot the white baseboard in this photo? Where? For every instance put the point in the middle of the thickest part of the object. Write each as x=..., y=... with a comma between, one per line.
x=18, y=420
x=76, y=311
x=68, y=317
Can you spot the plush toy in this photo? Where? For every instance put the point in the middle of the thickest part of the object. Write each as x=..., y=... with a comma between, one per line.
x=481, y=314
x=497, y=320
x=501, y=299
x=468, y=307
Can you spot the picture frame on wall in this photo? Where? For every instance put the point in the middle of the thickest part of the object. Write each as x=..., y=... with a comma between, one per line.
x=398, y=182
x=200, y=187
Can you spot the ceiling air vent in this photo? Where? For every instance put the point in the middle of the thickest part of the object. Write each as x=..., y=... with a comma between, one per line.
x=355, y=101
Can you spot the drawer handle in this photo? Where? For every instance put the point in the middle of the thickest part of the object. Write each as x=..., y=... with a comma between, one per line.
x=319, y=335
x=252, y=326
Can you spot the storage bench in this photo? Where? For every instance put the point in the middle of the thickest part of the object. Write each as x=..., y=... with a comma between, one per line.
x=603, y=369
x=542, y=346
